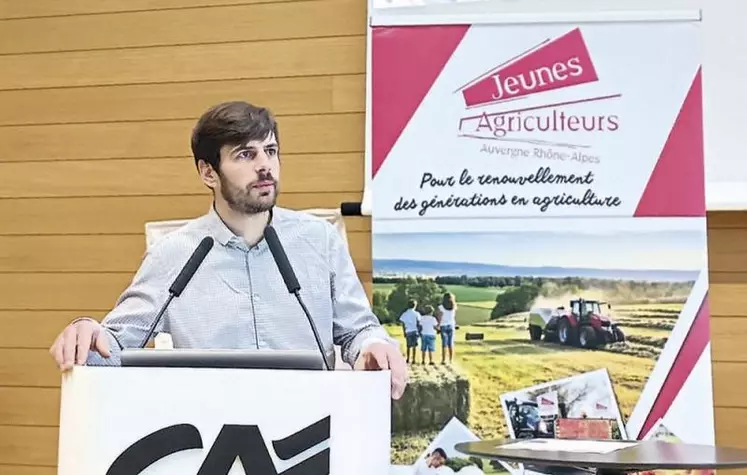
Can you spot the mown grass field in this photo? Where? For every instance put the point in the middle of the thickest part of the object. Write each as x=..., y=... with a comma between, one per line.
x=506, y=360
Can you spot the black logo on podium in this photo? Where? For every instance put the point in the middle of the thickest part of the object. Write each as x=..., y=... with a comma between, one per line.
x=244, y=442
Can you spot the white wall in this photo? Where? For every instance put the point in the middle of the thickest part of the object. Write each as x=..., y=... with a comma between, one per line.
x=724, y=62
x=725, y=102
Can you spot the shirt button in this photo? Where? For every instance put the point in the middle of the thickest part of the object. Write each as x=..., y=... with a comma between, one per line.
x=256, y=297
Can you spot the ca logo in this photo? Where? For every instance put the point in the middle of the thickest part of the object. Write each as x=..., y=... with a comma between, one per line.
x=244, y=442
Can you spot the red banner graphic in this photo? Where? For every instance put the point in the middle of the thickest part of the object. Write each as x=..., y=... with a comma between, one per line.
x=555, y=64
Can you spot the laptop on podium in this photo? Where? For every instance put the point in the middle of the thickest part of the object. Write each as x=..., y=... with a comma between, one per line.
x=224, y=358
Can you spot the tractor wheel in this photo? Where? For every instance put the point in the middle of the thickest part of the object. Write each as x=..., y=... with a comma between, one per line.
x=587, y=338
x=535, y=332
x=564, y=332
x=619, y=335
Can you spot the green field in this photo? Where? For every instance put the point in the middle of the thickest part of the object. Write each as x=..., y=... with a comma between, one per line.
x=474, y=303
x=469, y=314
x=506, y=360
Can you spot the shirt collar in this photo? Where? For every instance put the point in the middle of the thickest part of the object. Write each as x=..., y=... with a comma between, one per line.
x=223, y=233
x=218, y=228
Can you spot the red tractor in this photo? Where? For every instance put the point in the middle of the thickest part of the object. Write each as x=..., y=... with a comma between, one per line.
x=584, y=325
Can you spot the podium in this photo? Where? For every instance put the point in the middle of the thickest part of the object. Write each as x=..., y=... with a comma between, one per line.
x=208, y=421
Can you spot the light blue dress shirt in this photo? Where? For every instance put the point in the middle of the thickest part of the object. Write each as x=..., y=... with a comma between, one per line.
x=237, y=299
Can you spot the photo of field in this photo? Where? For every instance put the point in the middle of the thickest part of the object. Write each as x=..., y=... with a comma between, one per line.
x=661, y=432
x=634, y=297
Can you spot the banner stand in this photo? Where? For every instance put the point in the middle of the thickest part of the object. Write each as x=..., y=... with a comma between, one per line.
x=537, y=190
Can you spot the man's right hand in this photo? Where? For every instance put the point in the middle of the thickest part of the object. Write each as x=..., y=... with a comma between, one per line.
x=76, y=340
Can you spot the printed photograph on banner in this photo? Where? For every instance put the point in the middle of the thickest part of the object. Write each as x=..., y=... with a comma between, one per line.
x=661, y=432
x=549, y=120
x=484, y=308
x=579, y=407
x=441, y=456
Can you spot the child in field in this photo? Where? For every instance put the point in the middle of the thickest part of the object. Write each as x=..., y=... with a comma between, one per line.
x=428, y=326
x=447, y=324
x=410, y=319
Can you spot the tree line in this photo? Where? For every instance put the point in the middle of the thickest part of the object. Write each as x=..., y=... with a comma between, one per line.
x=517, y=294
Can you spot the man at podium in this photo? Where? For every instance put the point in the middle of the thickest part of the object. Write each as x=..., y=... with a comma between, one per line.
x=237, y=294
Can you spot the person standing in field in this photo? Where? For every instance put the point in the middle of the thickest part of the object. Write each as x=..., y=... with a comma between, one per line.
x=410, y=320
x=428, y=326
x=447, y=324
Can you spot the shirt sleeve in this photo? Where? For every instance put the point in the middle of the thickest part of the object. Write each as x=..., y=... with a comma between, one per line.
x=135, y=310
x=355, y=326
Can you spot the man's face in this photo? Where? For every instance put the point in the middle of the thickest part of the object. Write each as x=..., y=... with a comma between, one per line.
x=436, y=460
x=249, y=175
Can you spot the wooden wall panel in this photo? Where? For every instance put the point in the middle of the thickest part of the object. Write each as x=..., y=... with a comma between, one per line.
x=262, y=59
x=732, y=422
x=252, y=22
x=28, y=367
x=725, y=376
x=141, y=102
x=128, y=214
x=29, y=469
x=50, y=8
x=728, y=302
x=728, y=250
x=325, y=134
x=69, y=291
x=65, y=254
x=119, y=253
x=728, y=334
x=99, y=99
x=335, y=172
x=27, y=329
x=729, y=298
x=26, y=406
x=77, y=292
x=27, y=445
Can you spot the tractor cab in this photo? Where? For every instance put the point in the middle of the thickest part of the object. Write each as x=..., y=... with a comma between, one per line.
x=587, y=310
x=526, y=420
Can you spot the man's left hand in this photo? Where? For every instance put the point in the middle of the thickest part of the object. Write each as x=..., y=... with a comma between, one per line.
x=383, y=356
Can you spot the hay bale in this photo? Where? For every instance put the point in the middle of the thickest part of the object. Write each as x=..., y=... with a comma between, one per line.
x=434, y=395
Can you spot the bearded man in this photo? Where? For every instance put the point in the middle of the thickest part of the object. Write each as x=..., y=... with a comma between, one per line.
x=237, y=299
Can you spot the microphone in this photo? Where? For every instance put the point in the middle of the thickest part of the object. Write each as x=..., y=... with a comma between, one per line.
x=291, y=282
x=351, y=209
x=181, y=281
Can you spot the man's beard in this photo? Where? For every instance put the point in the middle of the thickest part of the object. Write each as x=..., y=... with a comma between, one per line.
x=250, y=200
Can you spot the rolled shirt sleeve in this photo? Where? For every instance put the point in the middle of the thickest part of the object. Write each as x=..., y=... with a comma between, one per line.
x=355, y=325
x=136, y=308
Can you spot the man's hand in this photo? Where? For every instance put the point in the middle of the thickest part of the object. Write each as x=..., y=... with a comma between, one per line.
x=383, y=356
x=76, y=340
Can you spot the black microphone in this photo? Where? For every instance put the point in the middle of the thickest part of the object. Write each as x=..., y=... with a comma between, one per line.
x=351, y=209
x=181, y=281
x=289, y=277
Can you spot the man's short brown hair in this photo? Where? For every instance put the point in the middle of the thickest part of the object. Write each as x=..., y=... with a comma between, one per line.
x=230, y=123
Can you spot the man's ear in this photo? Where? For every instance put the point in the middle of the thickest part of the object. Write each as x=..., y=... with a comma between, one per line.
x=208, y=175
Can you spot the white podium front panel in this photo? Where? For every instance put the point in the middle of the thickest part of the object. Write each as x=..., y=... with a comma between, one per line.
x=158, y=421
